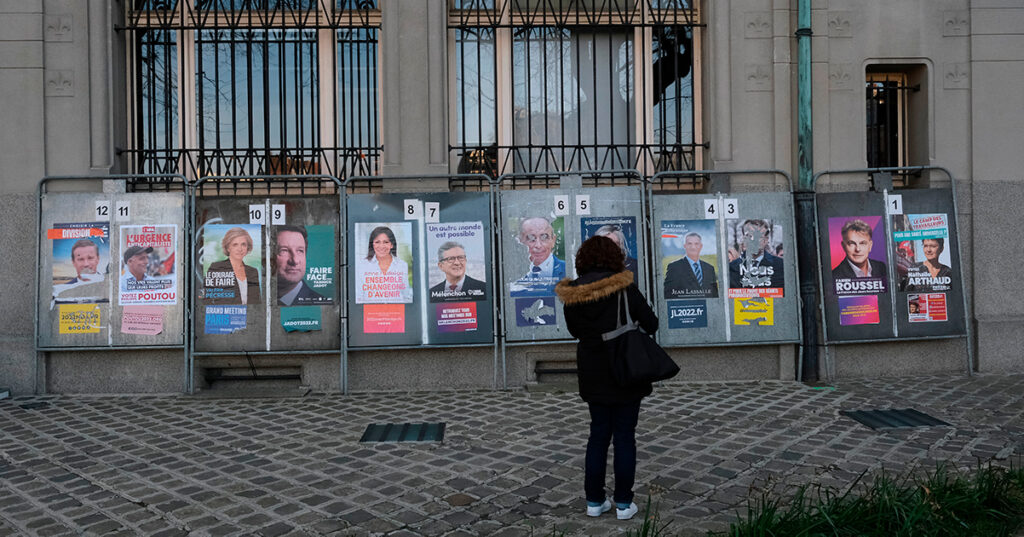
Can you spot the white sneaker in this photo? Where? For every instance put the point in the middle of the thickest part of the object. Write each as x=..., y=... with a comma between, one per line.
x=627, y=513
x=598, y=510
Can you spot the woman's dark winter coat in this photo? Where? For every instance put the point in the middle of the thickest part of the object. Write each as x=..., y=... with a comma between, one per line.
x=591, y=303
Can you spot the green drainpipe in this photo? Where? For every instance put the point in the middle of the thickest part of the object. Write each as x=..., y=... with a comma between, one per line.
x=804, y=198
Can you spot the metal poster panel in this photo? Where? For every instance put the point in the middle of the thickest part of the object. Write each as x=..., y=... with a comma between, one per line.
x=111, y=279
x=722, y=272
x=928, y=281
x=230, y=273
x=303, y=273
x=419, y=269
x=541, y=231
x=852, y=229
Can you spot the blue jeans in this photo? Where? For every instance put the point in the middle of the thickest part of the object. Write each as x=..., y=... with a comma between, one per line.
x=608, y=422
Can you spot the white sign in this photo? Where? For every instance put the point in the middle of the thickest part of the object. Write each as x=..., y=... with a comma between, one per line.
x=257, y=214
x=562, y=205
x=413, y=209
x=431, y=212
x=277, y=215
x=583, y=204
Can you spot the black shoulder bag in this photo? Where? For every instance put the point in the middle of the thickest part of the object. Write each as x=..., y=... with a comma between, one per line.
x=636, y=357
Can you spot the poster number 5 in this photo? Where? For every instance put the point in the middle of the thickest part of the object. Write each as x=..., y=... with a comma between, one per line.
x=583, y=204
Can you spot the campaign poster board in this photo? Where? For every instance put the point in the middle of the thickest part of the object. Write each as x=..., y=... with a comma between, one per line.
x=928, y=284
x=541, y=232
x=419, y=269
x=230, y=274
x=304, y=273
x=722, y=271
x=86, y=299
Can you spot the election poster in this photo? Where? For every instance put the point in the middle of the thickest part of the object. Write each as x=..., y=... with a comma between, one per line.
x=755, y=252
x=301, y=318
x=857, y=255
x=922, y=257
x=148, y=276
x=458, y=273
x=79, y=319
x=231, y=258
x=927, y=307
x=687, y=314
x=81, y=262
x=542, y=245
x=382, y=273
x=753, y=311
x=621, y=229
x=224, y=319
x=535, y=311
x=689, y=260
x=302, y=263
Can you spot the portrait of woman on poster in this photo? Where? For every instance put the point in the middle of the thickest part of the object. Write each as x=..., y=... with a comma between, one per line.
x=931, y=268
x=382, y=261
x=614, y=232
x=237, y=243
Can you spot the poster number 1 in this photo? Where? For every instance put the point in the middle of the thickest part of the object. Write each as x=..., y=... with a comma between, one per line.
x=895, y=204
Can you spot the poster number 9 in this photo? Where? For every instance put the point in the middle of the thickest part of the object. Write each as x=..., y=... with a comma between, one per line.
x=277, y=215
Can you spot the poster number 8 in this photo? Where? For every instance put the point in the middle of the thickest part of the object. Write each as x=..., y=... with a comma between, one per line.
x=413, y=209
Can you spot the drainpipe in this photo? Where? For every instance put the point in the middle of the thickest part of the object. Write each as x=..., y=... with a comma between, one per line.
x=804, y=198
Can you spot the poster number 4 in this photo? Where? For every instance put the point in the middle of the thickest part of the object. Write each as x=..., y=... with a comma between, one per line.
x=895, y=204
x=711, y=208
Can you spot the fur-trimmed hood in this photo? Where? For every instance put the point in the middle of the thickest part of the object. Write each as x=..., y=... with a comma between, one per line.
x=587, y=289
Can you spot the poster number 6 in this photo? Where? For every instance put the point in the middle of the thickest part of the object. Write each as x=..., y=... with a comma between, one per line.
x=562, y=205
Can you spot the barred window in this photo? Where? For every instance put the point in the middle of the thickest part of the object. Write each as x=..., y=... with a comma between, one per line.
x=254, y=87
x=559, y=85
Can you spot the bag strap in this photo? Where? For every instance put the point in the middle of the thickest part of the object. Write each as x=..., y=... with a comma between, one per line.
x=621, y=327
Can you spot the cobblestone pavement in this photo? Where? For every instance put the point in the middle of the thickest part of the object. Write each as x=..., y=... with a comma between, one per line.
x=510, y=464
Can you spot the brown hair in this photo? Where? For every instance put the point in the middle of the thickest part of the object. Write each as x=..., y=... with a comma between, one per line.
x=599, y=253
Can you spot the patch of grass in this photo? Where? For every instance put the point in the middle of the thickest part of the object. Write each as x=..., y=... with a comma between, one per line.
x=652, y=525
x=945, y=502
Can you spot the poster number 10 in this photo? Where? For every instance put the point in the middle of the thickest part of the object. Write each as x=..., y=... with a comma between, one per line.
x=256, y=214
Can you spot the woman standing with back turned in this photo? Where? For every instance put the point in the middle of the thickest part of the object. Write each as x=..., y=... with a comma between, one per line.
x=591, y=309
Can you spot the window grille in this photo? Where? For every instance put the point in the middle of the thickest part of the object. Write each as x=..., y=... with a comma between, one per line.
x=887, y=122
x=560, y=85
x=239, y=87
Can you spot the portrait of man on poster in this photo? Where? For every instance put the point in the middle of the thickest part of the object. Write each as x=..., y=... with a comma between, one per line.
x=290, y=246
x=689, y=276
x=456, y=285
x=857, y=243
x=538, y=236
x=756, y=262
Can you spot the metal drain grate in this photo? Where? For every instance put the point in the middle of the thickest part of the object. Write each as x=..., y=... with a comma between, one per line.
x=403, y=432
x=893, y=418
